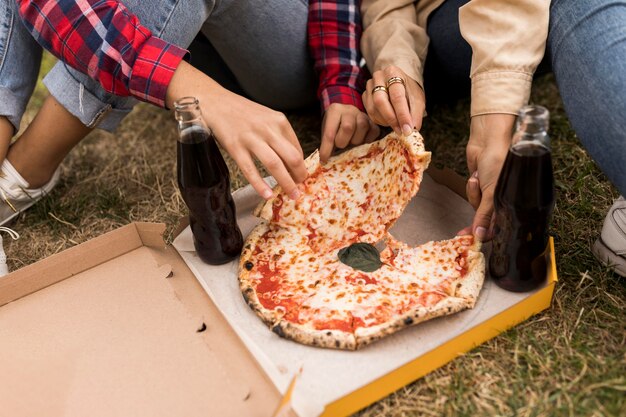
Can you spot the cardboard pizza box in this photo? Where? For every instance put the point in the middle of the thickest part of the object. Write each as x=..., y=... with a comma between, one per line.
x=120, y=325
x=337, y=383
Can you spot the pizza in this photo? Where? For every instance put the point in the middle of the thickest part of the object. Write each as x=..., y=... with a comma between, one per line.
x=311, y=269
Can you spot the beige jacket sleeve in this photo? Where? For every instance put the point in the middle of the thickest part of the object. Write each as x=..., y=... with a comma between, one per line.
x=392, y=36
x=507, y=37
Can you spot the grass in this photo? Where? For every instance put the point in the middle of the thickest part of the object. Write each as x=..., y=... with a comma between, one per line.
x=567, y=361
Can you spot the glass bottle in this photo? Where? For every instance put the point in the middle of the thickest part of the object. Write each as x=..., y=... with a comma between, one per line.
x=204, y=184
x=523, y=204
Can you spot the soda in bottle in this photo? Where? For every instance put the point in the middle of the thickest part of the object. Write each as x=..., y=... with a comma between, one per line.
x=204, y=184
x=523, y=204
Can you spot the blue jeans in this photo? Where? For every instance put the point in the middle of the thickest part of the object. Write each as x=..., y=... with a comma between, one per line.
x=587, y=45
x=262, y=43
x=587, y=52
x=20, y=57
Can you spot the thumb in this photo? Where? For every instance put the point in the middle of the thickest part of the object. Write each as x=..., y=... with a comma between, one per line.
x=482, y=219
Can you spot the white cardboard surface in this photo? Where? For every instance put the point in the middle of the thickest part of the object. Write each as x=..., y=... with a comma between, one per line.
x=436, y=213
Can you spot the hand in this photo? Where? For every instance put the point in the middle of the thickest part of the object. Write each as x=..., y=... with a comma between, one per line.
x=345, y=124
x=246, y=130
x=489, y=142
x=401, y=107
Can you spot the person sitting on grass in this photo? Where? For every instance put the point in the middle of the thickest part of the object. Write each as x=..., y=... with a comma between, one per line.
x=270, y=58
x=442, y=50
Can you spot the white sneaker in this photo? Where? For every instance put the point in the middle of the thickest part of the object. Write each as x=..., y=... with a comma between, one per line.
x=610, y=248
x=4, y=269
x=15, y=196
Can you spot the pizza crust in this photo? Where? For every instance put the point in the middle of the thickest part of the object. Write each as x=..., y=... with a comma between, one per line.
x=366, y=335
x=301, y=333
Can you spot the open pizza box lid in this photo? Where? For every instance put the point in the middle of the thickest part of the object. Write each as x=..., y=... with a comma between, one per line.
x=122, y=325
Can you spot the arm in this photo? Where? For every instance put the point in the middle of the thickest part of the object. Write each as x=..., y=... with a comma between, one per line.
x=393, y=37
x=508, y=41
x=126, y=59
x=394, y=45
x=104, y=40
x=334, y=32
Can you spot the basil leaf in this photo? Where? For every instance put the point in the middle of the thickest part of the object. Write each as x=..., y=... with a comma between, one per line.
x=361, y=256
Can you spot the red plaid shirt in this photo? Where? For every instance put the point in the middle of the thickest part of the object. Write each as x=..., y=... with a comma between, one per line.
x=103, y=39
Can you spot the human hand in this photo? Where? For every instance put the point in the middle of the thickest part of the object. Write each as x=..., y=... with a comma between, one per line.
x=345, y=124
x=401, y=107
x=246, y=130
x=489, y=142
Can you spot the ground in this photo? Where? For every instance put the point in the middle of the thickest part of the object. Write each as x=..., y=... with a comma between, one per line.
x=569, y=360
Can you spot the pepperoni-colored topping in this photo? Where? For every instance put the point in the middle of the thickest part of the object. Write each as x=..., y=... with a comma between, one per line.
x=335, y=324
x=366, y=205
x=268, y=293
x=357, y=322
x=278, y=203
x=361, y=279
x=430, y=298
x=461, y=260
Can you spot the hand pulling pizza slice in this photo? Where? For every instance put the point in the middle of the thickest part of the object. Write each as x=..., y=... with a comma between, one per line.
x=291, y=274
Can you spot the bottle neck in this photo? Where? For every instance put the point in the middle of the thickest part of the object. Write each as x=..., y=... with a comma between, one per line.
x=189, y=118
x=532, y=128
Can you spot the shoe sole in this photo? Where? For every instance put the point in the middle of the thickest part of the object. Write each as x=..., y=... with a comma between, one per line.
x=605, y=255
x=21, y=210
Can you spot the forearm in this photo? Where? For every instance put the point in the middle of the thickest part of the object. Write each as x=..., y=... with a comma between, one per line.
x=106, y=41
x=508, y=41
x=334, y=33
x=392, y=36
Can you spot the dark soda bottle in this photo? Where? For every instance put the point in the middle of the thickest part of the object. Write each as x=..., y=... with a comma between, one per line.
x=523, y=203
x=204, y=184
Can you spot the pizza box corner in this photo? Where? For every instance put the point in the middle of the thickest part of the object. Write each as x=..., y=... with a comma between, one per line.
x=122, y=324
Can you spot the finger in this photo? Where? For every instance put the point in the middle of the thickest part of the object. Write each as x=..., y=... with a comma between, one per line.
x=347, y=126
x=330, y=125
x=473, y=190
x=417, y=105
x=288, y=133
x=293, y=161
x=482, y=219
x=367, y=98
x=383, y=105
x=370, y=108
x=398, y=97
x=362, y=127
x=275, y=166
x=373, y=132
x=248, y=169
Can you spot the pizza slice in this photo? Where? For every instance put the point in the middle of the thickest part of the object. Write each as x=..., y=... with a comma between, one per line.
x=293, y=273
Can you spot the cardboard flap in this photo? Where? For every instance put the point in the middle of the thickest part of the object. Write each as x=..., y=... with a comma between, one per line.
x=132, y=334
x=449, y=178
x=72, y=261
x=151, y=234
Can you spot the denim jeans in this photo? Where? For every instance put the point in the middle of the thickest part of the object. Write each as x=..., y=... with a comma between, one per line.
x=20, y=57
x=587, y=45
x=262, y=43
x=587, y=52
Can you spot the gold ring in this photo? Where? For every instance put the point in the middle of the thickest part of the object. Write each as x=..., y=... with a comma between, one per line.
x=379, y=88
x=394, y=80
